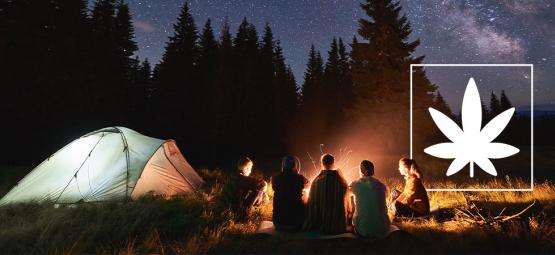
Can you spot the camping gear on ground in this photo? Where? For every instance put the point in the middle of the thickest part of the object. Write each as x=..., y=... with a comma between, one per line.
x=110, y=164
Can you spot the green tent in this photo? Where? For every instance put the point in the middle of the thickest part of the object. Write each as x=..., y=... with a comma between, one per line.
x=113, y=163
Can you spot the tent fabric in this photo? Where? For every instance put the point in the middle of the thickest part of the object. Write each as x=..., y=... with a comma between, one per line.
x=167, y=173
x=178, y=160
x=103, y=165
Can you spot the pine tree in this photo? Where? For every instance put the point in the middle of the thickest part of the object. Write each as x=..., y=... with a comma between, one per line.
x=441, y=105
x=486, y=113
x=505, y=103
x=271, y=80
x=144, y=76
x=293, y=91
x=331, y=89
x=124, y=35
x=313, y=77
x=209, y=102
x=285, y=91
x=494, y=106
x=125, y=48
x=248, y=103
x=208, y=63
x=114, y=67
x=181, y=51
x=208, y=47
x=332, y=65
x=311, y=118
x=225, y=97
x=346, y=89
x=267, y=51
x=108, y=76
x=380, y=69
x=103, y=18
x=177, y=79
x=140, y=95
x=226, y=42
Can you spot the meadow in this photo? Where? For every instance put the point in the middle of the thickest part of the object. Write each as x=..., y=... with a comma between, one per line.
x=462, y=223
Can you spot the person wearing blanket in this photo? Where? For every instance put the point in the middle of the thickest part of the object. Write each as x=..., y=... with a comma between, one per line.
x=370, y=217
x=328, y=201
x=289, y=207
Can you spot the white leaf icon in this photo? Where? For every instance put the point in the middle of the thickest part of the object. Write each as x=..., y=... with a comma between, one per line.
x=471, y=144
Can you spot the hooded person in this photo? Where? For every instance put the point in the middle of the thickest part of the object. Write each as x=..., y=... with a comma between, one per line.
x=327, y=201
x=289, y=208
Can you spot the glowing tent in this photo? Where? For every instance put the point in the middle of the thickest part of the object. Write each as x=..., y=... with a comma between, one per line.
x=113, y=163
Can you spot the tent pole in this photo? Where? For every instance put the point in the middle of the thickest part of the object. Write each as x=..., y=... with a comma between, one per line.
x=82, y=164
x=126, y=150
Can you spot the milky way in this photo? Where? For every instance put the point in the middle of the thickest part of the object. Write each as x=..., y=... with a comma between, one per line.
x=449, y=31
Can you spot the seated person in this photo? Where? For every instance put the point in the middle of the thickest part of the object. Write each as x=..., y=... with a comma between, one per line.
x=241, y=192
x=413, y=201
x=289, y=208
x=327, y=201
x=370, y=216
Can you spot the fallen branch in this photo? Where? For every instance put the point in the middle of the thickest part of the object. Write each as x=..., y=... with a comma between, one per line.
x=518, y=214
x=476, y=217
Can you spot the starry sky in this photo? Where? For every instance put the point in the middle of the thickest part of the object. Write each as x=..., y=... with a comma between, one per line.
x=470, y=31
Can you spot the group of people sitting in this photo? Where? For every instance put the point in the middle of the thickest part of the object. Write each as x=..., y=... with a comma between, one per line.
x=329, y=204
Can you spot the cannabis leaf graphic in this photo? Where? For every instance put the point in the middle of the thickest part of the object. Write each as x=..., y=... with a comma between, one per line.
x=472, y=144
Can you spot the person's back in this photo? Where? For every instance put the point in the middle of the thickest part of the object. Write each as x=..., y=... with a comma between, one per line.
x=289, y=210
x=326, y=202
x=370, y=219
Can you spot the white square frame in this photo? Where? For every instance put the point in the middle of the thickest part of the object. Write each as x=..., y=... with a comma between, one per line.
x=531, y=66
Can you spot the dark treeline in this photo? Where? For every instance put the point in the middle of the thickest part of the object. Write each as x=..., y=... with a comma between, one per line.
x=66, y=70
x=222, y=97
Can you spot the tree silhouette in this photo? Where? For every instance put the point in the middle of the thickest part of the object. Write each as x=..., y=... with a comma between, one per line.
x=313, y=78
x=345, y=87
x=494, y=106
x=380, y=66
x=177, y=79
x=504, y=102
x=207, y=110
x=441, y=105
x=285, y=99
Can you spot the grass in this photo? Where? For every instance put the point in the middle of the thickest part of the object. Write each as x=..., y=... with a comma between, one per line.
x=194, y=225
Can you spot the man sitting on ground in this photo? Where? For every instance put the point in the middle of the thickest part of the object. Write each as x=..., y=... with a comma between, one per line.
x=327, y=212
x=289, y=208
x=370, y=219
x=242, y=192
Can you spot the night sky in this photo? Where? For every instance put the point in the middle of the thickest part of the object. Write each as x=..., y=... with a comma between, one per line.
x=450, y=32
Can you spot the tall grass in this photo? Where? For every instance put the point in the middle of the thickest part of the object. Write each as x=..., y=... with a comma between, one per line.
x=194, y=224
